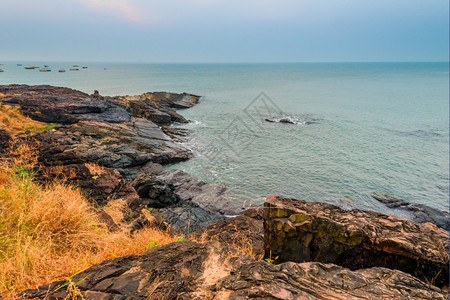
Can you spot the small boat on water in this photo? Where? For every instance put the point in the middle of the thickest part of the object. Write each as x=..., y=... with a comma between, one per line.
x=85, y=67
x=45, y=70
x=45, y=66
x=1, y=70
x=74, y=69
x=61, y=71
x=31, y=68
x=75, y=66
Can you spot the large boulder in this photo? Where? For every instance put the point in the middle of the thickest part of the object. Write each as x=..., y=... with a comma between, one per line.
x=156, y=192
x=300, y=231
x=187, y=270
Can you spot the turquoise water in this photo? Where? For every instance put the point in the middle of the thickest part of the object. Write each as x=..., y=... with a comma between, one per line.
x=371, y=127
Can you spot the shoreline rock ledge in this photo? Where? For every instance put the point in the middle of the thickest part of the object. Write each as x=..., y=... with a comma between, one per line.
x=300, y=231
x=294, y=230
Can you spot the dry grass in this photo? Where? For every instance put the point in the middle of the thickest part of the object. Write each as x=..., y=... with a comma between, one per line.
x=14, y=122
x=50, y=232
x=95, y=169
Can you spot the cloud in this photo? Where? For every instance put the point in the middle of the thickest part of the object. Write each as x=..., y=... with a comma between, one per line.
x=123, y=8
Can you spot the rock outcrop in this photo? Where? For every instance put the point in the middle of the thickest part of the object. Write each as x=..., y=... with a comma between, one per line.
x=420, y=213
x=300, y=231
x=212, y=197
x=187, y=270
x=117, y=134
x=243, y=233
x=157, y=107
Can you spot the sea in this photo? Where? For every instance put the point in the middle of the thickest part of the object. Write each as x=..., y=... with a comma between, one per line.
x=346, y=130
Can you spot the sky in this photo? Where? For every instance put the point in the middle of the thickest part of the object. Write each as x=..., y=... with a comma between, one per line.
x=166, y=31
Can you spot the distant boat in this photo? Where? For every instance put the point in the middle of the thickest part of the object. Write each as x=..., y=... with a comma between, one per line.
x=31, y=68
x=85, y=67
x=45, y=70
x=75, y=66
x=19, y=65
x=61, y=71
x=1, y=70
x=74, y=69
x=45, y=66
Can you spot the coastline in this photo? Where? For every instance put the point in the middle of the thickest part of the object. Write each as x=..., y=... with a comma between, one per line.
x=127, y=136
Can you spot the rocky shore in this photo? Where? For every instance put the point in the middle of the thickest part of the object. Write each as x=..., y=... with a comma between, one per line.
x=295, y=249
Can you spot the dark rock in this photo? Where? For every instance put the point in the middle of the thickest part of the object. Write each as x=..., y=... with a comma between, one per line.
x=159, y=193
x=59, y=161
x=187, y=217
x=211, y=197
x=4, y=140
x=299, y=231
x=187, y=270
x=61, y=105
x=157, y=107
x=285, y=119
x=179, y=216
x=420, y=213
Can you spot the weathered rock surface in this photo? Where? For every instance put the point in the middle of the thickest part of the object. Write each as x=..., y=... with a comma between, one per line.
x=242, y=233
x=156, y=192
x=420, y=213
x=157, y=107
x=187, y=270
x=180, y=215
x=103, y=131
x=299, y=231
x=212, y=197
x=60, y=105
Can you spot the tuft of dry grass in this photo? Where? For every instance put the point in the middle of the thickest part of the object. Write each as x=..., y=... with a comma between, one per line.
x=50, y=232
x=14, y=122
x=95, y=169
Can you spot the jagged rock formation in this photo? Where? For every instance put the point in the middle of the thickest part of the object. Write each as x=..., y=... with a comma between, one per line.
x=187, y=270
x=101, y=130
x=124, y=136
x=299, y=231
x=156, y=107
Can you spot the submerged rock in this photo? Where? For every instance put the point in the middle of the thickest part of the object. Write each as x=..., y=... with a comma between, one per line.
x=299, y=231
x=420, y=213
x=187, y=270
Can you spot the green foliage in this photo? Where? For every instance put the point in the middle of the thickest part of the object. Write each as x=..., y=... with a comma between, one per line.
x=151, y=244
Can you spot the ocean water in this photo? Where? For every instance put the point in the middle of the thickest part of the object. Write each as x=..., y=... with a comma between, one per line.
x=359, y=127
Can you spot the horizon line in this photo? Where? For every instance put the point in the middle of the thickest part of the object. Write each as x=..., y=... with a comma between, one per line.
x=229, y=62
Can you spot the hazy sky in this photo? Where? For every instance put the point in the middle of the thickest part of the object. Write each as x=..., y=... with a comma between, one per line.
x=224, y=30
